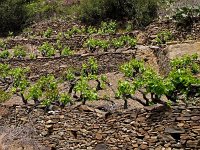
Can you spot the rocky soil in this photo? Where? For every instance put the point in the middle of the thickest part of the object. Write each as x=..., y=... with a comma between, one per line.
x=101, y=125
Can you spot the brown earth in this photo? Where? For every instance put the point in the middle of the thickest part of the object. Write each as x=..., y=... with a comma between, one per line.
x=88, y=127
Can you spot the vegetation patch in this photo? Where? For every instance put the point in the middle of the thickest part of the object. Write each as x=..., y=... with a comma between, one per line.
x=142, y=11
x=181, y=81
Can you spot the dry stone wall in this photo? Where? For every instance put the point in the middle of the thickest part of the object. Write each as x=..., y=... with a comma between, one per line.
x=57, y=25
x=180, y=35
x=158, y=57
x=108, y=62
x=88, y=128
x=75, y=42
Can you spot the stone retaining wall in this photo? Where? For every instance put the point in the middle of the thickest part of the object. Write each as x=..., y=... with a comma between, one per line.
x=107, y=62
x=87, y=128
x=75, y=42
x=159, y=58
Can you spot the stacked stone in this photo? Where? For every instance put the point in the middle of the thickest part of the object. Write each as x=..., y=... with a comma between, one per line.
x=89, y=128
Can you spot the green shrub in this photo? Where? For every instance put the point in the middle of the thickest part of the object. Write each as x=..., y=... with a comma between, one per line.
x=43, y=9
x=48, y=33
x=64, y=99
x=4, y=96
x=16, y=14
x=47, y=50
x=32, y=56
x=13, y=15
x=163, y=37
x=92, y=44
x=35, y=93
x=66, y=51
x=91, y=30
x=117, y=43
x=143, y=12
x=185, y=16
x=19, y=51
x=122, y=41
x=4, y=54
x=108, y=27
x=2, y=45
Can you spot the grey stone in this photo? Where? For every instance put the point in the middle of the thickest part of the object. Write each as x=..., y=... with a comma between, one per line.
x=174, y=130
x=101, y=146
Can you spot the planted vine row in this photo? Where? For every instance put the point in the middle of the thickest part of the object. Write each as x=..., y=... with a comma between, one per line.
x=182, y=83
x=59, y=46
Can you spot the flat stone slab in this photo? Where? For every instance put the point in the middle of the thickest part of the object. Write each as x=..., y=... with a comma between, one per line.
x=174, y=130
x=179, y=50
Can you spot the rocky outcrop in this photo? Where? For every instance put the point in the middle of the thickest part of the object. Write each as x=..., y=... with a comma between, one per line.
x=175, y=50
x=178, y=50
